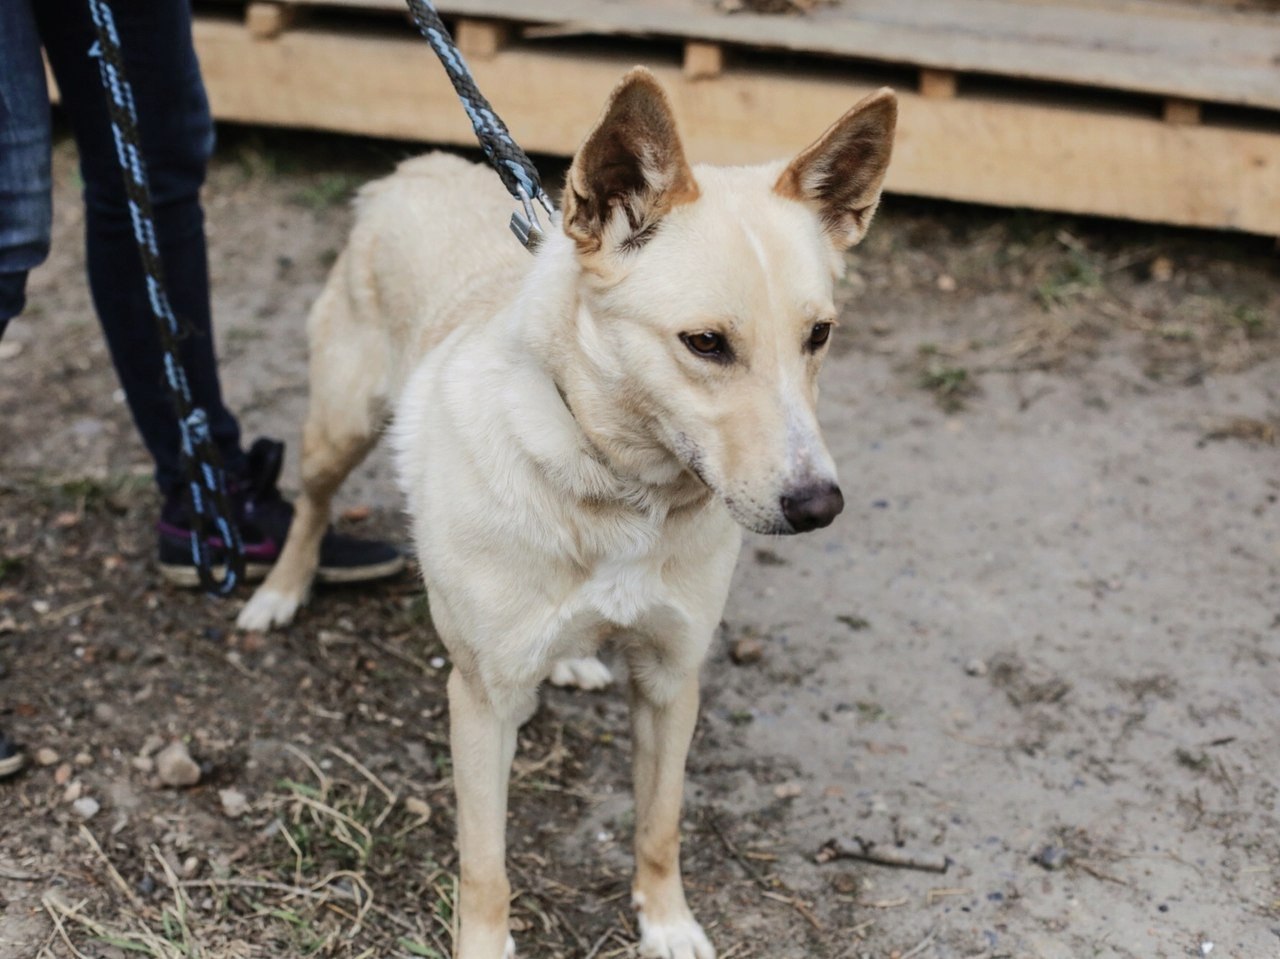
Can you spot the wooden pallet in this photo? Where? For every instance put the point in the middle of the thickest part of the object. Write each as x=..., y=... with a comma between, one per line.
x=1129, y=109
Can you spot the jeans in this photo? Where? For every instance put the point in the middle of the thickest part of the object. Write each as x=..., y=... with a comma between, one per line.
x=177, y=140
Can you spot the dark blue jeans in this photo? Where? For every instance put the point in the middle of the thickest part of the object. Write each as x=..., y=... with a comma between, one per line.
x=177, y=140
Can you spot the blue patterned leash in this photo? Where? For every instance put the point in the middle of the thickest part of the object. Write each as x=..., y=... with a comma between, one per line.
x=514, y=168
x=210, y=506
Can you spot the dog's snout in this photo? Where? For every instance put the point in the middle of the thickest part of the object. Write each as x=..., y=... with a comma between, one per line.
x=812, y=507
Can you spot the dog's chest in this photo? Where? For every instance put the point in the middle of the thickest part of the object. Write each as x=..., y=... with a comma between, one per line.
x=621, y=590
x=623, y=580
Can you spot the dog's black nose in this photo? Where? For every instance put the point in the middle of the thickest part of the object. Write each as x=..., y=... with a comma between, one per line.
x=812, y=507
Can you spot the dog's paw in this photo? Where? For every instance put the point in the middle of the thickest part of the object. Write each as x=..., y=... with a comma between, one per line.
x=585, y=673
x=676, y=940
x=510, y=951
x=267, y=608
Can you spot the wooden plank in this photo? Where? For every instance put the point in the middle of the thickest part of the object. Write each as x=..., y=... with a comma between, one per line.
x=481, y=39
x=703, y=61
x=268, y=20
x=999, y=151
x=1203, y=54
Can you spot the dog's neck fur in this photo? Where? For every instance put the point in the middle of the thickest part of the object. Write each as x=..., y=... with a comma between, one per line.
x=553, y=323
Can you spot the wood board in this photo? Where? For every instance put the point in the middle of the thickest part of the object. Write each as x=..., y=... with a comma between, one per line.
x=1186, y=51
x=1002, y=151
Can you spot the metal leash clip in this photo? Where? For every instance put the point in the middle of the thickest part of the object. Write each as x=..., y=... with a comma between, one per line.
x=526, y=226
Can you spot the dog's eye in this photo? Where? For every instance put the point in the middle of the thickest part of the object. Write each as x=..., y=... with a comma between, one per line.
x=708, y=344
x=819, y=335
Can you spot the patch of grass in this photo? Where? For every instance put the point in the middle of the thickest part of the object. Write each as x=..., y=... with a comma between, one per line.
x=340, y=846
x=329, y=190
x=1072, y=277
x=950, y=385
x=855, y=623
x=870, y=712
x=1250, y=319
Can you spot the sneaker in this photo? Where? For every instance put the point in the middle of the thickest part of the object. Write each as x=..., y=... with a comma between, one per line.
x=264, y=517
x=11, y=757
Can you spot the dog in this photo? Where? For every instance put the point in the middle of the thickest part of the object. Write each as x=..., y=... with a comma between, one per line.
x=582, y=435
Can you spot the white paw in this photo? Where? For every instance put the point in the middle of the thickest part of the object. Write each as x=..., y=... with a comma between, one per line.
x=677, y=940
x=267, y=608
x=585, y=673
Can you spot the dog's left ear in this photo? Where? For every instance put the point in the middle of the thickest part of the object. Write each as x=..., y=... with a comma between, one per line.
x=841, y=174
x=630, y=171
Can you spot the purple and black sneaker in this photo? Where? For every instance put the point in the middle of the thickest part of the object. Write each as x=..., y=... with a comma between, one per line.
x=264, y=517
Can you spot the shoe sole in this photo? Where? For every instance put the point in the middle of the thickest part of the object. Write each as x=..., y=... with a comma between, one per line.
x=188, y=578
x=11, y=764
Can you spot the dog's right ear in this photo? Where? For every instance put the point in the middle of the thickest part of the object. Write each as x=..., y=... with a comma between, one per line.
x=630, y=171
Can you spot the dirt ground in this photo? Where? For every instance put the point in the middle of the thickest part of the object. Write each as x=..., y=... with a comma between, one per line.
x=1043, y=641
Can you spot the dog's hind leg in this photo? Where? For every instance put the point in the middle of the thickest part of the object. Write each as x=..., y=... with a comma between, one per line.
x=483, y=742
x=347, y=409
x=663, y=714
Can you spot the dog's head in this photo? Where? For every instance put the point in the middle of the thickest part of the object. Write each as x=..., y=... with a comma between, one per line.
x=708, y=296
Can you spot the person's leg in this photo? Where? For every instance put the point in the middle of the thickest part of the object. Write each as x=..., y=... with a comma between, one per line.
x=25, y=197
x=177, y=140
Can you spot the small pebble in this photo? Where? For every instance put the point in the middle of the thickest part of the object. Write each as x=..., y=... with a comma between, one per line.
x=946, y=283
x=747, y=650
x=86, y=807
x=417, y=807
x=788, y=790
x=437, y=662
x=975, y=667
x=62, y=775
x=190, y=865
x=1052, y=857
x=1206, y=948
x=151, y=745
x=1162, y=269
x=144, y=764
x=234, y=802
x=73, y=792
x=175, y=767
x=46, y=756
x=83, y=759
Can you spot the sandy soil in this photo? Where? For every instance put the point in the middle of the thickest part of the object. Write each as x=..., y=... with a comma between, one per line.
x=1042, y=640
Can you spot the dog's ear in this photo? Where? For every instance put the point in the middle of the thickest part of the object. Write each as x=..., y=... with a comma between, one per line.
x=630, y=171
x=841, y=174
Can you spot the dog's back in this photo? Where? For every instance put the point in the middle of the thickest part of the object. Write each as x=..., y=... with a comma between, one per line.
x=430, y=249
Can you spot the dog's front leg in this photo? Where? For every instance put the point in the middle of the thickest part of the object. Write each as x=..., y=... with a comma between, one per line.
x=483, y=743
x=664, y=709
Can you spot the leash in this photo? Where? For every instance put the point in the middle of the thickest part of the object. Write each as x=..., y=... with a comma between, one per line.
x=210, y=506
x=513, y=166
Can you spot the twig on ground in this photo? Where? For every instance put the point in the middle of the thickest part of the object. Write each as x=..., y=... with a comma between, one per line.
x=883, y=854
x=382, y=787
x=1086, y=866
x=56, y=911
x=920, y=947
x=591, y=954
x=749, y=869
x=20, y=876
x=111, y=871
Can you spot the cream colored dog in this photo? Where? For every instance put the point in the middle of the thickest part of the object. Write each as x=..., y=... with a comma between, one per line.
x=582, y=434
